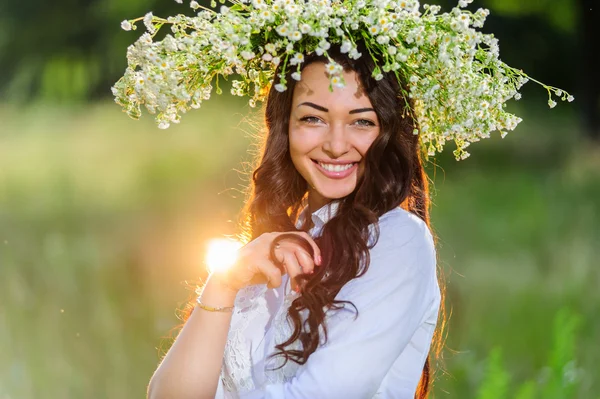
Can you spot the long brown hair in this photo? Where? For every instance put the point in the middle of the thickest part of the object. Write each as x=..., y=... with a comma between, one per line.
x=394, y=176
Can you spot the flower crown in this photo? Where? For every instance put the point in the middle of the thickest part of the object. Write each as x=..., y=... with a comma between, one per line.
x=452, y=72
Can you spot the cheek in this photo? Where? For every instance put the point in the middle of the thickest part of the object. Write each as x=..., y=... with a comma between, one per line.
x=297, y=151
x=302, y=142
x=363, y=143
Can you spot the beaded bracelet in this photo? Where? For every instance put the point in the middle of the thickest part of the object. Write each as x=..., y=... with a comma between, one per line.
x=214, y=309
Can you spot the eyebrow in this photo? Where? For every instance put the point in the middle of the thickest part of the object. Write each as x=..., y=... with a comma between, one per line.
x=323, y=109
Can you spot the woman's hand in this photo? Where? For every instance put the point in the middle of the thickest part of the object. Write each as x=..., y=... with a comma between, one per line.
x=266, y=258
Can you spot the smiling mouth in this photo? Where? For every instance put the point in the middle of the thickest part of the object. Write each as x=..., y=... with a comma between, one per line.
x=336, y=170
x=334, y=167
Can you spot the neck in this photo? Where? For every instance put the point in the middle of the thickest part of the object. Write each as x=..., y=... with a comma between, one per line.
x=316, y=201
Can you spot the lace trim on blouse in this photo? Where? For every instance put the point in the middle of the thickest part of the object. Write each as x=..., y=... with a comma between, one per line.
x=236, y=373
x=283, y=330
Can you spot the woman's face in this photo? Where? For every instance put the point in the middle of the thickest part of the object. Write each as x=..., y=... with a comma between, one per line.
x=330, y=133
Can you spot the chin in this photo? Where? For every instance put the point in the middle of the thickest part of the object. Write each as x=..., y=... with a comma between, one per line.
x=334, y=193
x=333, y=189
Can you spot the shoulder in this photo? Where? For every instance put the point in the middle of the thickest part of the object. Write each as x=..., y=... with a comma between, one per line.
x=403, y=262
x=404, y=250
x=399, y=228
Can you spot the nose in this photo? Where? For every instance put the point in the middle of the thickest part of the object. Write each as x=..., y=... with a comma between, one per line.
x=336, y=142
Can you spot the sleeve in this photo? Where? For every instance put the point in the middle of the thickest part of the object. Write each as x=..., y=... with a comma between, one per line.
x=393, y=298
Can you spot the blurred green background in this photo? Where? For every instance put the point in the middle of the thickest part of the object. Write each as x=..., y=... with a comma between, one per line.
x=103, y=219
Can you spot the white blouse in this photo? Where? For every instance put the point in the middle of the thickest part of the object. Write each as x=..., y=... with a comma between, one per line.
x=380, y=354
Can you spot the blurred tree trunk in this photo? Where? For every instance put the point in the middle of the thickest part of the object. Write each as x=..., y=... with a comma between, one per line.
x=589, y=11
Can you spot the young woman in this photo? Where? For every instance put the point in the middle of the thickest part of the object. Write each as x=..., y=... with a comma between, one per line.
x=335, y=294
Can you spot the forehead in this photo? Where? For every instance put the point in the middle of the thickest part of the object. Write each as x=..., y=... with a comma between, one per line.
x=314, y=87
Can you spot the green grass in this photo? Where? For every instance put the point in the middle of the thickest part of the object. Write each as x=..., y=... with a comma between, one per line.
x=102, y=219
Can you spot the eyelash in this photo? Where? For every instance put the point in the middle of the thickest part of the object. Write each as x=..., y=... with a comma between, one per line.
x=365, y=122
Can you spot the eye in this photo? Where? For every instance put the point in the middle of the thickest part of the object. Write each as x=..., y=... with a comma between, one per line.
x=311, y=120
x=364, y=123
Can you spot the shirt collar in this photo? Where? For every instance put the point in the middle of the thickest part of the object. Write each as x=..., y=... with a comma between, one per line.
x=321, y=215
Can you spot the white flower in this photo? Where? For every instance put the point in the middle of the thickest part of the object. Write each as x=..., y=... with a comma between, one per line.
x=276, y=61
x=267, y=15
x=292, y=9
x=170, y=43
x=247, y=55
x=383, y=39
x=270, y=47
x=354, y=54
x=324, y=44
x=148, y=22
x=296, y=76
x=126, y=25
x=336, y=81
x=282, y=30
x=333, y=67
x=295, y=36
x=570, y=98
x=517, y=96
x=379, y=76
x=267, y=57
x=305, y=28
x=146, y=39
x=551, y=103
x=280, y=87
x=346, y=47
x=298, y=58
x=194, y=5
x=464, y=20
x=179, y=1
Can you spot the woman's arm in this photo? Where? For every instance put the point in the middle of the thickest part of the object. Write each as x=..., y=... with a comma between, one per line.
x=192, y=366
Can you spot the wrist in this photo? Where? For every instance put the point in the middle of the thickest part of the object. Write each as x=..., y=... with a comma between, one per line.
x=217, y=292
x=220, y=280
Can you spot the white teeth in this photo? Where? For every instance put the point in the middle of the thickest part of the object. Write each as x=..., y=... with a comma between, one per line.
x=335, y=168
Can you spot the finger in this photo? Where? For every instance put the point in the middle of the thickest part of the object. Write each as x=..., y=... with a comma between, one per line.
x=275, y=254
x=271, y=273
x=303, y=239
x=295, y=246
x=279, y=249
x=305, y=260
x=293, y=268
x=315, y=247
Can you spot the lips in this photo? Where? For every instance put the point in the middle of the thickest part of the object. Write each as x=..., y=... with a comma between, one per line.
x=337, y=170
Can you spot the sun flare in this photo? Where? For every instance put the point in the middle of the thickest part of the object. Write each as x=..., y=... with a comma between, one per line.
x=221, y=253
